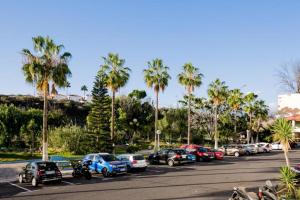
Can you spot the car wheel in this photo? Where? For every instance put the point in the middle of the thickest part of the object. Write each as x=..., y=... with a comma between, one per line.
x=34, y=182
x=129, y=168
x=59, y=181
x=236, y=154
x=105, y=172
x=171, y=163
x=88, y=176
x=21, y=178
x=247, y=153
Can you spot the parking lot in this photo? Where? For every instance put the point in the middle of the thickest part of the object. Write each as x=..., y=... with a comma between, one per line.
x=211, y=180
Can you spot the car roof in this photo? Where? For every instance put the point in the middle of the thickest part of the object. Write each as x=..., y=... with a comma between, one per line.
x=130, y=154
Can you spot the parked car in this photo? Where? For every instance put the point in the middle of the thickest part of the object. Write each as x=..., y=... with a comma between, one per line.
x=251, y=149
x=266, y=146
x=169, y=156
x=233, y=150
x=61, y=162
x=201, y=153
x=218, y=155
x=276, y=146
x=133, y=161
x=106, y=163
x=40, y=172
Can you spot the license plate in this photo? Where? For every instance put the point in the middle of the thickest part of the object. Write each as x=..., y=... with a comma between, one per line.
x=183, y=156
x=122, y=169
x=50, y=172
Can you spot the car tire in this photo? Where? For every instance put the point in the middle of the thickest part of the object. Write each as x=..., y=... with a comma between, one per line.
x=34, y=182
x=247, y=153
x=105, y=172
x=59, y=181
x=171, y=163
x=237, y=154
x=21, y=178
x=88, y=176
x=129, y=168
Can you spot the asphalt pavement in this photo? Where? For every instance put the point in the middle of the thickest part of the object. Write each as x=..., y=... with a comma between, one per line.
x=203, y=180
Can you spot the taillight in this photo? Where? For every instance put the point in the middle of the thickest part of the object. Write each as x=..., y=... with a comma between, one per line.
x=40, y=173
x=178, y=156
x=260, y=193
x=134, y=162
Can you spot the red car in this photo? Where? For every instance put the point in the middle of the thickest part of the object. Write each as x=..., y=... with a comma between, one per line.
x=219, y=155
x=201, y=153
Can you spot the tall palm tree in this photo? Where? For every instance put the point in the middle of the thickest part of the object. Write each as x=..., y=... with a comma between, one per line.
x=190, y=78
x=249, y=108
x=156, y=77
x=217, y=93
x=261, y=112
x=84, y=89
x=49, y=66
x=235, y=101
x=117, y=76
x=283, y=133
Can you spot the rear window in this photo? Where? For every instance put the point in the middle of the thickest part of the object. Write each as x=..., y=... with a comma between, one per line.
x=180, y=151
x=201, y=149
x=47, y=166
x=138, y=157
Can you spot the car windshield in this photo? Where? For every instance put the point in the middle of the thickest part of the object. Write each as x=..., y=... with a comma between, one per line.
x=201, y=149
x=138, y=157
x=47, y=166
x=109, y=158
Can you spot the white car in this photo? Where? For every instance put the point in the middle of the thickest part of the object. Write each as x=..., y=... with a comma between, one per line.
x=266, y=146
x=134, y=161
x=276, y=146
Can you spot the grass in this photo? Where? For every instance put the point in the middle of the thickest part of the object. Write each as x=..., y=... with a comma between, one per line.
x=16, y=156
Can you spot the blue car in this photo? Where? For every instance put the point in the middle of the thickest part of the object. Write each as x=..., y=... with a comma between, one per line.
x=106, y=163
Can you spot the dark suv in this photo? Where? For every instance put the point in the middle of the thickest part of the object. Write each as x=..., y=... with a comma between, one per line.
x=169, y=156
x=40, y=172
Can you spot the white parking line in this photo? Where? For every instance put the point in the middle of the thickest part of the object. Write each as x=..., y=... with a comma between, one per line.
x=68, y=182
x=20, y=187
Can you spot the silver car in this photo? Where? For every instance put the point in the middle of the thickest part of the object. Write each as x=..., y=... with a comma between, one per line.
x=134, y=161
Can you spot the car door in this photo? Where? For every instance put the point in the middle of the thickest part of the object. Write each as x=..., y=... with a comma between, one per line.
x=28, y=172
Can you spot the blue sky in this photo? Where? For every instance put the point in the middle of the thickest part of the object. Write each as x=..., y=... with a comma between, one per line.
x=240, y=42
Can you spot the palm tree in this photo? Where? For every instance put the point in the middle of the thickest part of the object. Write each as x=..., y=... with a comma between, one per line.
x=235, y=101
x=249, y=108
x=49, y=66
x=116, y=76
x=283, y=133
x=84, y=89
x=157, y=77
x=261, y=111
x=217, y=93
x=190, y=78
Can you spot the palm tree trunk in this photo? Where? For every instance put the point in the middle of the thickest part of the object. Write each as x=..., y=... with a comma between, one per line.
x=156, y=121
x=45, y=125
x=216, y=127
x=189, y=117
x=235, y=122
x=112, y=135
x=32, y=143
x=286, y=158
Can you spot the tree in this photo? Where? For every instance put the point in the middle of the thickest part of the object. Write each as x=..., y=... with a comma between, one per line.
x=283, y=133
x=116, y=77
x=138, y=94
x=98, y=119
x=290, y=81
x=235, y=101
x=248, y=108
x=261, y=111
x=156, y=77
x=84, y=89
x=190, y=78
x=48, y=67
x=217, y=93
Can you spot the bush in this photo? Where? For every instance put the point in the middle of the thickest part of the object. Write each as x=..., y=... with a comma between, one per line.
x=133, y=148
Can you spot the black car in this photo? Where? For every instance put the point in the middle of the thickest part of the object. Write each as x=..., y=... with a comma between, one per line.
x=40, y=172
x=169, y=156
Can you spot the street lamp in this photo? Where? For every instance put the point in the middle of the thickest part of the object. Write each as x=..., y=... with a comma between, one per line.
x=158, y=132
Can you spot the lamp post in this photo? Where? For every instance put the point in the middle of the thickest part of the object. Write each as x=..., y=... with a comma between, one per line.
x=158, y=132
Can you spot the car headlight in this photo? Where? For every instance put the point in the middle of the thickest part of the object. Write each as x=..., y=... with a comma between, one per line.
x=205, y=154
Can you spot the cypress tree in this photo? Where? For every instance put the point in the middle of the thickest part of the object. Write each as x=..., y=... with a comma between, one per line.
x=98, y=120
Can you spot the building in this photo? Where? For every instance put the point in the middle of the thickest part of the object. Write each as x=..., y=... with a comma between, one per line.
x=289, y=108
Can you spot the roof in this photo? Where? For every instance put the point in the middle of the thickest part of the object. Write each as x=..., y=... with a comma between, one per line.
x=294, y=118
